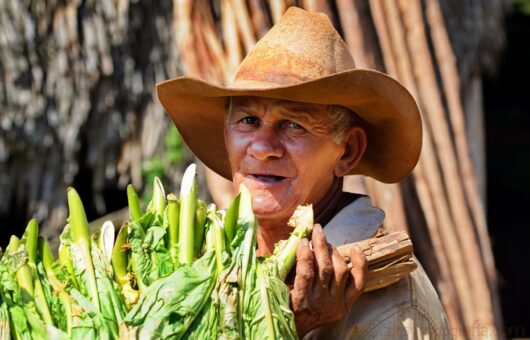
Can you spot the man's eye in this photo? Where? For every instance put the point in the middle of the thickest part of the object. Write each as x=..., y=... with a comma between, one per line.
x=250, y=120
x=293, y=125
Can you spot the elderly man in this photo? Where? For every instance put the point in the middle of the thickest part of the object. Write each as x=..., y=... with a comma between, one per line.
x=297, y=118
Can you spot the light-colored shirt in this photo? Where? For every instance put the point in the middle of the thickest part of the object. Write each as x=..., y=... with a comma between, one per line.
x=408, y=309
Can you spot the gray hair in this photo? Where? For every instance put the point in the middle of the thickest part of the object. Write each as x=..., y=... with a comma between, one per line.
x=342, y=120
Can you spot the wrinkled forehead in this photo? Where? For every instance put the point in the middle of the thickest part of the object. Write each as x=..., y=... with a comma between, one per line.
x=262, y=104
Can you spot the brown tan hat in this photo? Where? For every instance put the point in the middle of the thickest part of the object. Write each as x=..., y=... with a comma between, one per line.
x=302, y=58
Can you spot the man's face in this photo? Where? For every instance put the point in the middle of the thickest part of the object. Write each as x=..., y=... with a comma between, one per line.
x=282, y=151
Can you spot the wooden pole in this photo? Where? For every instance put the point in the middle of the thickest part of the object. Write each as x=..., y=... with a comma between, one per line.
x=244, y=23
x=277, y=8
x=230, y=36
x=451, y=85
x=260, y=17
x=420, y=53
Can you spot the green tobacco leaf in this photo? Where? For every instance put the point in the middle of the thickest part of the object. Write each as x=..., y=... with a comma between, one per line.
x=81, y=243
x=134, y=203
x=5, y=331
x=151, y=260
x=205, y=325
x=173, y=216
x=112, y=305
x=188, y=207
x=88, y=322
x=268, y=313
x=120, y=256
x=170, y=305
x=230, y=221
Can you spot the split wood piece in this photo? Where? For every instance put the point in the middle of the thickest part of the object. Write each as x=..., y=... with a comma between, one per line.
x=389, y=259
x=382, y=248
x=378, y=278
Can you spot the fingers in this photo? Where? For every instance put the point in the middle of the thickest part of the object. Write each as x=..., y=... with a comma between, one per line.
x=342, y=273
x=323, y=252
x=305, y=273
x=355, y=285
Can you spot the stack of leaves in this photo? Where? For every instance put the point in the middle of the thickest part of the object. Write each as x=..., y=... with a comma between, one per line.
x=217, y=287
x=72, y=297
x=179, y=269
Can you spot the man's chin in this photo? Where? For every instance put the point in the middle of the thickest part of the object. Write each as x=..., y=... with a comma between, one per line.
x=265, y=210
x=268, y=213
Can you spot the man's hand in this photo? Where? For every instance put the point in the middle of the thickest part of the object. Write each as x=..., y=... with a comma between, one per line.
x=324, y=287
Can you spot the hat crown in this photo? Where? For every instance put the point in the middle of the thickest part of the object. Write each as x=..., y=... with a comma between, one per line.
x=302, y=46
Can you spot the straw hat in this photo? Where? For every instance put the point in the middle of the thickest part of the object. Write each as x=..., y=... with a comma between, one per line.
x=302, y=58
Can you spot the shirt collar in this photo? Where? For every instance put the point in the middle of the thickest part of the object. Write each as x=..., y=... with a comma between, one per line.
x=355, y=222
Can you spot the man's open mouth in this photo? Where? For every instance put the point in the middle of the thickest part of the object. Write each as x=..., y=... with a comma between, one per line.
x=268, y=178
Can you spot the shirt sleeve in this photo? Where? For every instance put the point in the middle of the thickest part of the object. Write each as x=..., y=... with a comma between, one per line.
x=409, y=323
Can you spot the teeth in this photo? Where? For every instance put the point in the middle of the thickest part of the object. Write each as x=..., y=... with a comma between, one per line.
x=268, y=178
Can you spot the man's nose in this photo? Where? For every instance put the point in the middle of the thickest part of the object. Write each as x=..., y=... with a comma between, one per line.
x=266, y=145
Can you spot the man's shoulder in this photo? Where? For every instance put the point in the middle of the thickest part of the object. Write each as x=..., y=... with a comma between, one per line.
x=410, y=306
x=355, y=222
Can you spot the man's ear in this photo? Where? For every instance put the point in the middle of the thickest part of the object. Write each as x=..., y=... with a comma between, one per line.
x=354, y=143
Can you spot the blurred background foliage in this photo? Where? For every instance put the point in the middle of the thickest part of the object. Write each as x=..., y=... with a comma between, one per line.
x=171, y=156
x=522, y=6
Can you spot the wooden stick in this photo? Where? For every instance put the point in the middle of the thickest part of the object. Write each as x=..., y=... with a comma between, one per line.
x=390, y=32
x=422, y=67
x=277, y=8
x=427, y=242
x=219, y=59
x=182, y=12
x=208, y=69
x=359, y=33
x=451, y=84
x=360, y=36
x=381, y=28
x=436, y=118
x=231, y=39
x=318, y=6
x=388, y=197
x=455, y=296
x=260, y=17
x=244, y=24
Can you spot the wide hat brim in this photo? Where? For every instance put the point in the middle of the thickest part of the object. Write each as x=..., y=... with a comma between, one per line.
x=389, y=113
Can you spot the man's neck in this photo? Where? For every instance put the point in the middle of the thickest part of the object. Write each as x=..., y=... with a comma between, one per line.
x=326, y=208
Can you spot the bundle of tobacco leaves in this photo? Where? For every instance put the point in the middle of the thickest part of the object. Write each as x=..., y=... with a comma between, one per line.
x=179, y=269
